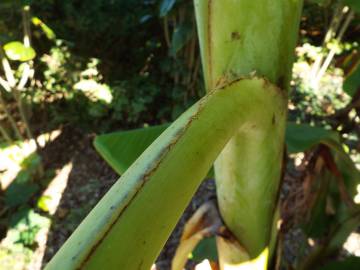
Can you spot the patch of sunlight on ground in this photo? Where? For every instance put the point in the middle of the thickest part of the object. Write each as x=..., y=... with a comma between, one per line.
x=53, y=193
x=15, y=256
x=14, y=260
x=352, y=244
x=12, y=156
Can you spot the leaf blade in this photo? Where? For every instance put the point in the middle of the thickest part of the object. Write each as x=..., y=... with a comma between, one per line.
x=17, y=51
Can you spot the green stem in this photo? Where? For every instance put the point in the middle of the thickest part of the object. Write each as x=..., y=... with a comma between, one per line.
x=5, y=134
x=26, y=25
x=19, y=102
x=166, y=32
x=238, y=38
x=29, y=133
x=19, y=136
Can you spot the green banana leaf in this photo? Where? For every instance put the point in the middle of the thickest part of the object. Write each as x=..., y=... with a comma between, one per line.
x=302, y=137
x=352, y=82
x=120, y=149
x=333, y=225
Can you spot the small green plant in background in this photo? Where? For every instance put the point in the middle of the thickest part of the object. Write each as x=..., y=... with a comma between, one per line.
x=247, y=74
x=20, y=52
x=318, y=77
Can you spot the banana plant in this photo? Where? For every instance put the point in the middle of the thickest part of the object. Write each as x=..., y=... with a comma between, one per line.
x=239, y=126
x=248, y=170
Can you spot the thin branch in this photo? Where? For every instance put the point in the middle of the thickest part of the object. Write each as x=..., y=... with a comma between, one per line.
x=27, y=72
x=191, y=58
x=5, y=134
x=332, y=52
x=166, y=32
x=25, y=76
x=195, y=74
x=22, y=112
x=11, y=119
x=339, y=13
x=26, y=25
x=335, y=23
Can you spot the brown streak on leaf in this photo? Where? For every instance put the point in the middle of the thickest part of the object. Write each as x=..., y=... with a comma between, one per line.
x=235, y=36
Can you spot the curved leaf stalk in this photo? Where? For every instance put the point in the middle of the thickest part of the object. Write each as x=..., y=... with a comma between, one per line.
x=130, y=225
x=22, y=112
x=237, y=38
x=11, y=119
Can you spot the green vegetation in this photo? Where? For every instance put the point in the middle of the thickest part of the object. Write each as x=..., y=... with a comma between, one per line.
x=172, y=92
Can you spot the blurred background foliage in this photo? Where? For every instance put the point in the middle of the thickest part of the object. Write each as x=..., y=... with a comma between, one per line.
x=106, y=65
x=148, y=64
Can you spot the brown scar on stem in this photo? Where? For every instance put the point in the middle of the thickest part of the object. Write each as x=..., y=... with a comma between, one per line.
x=251, y=76
x=281, y=82
x=235, y=36
x=227, y=236
x=223, y=81
x=226, y=78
